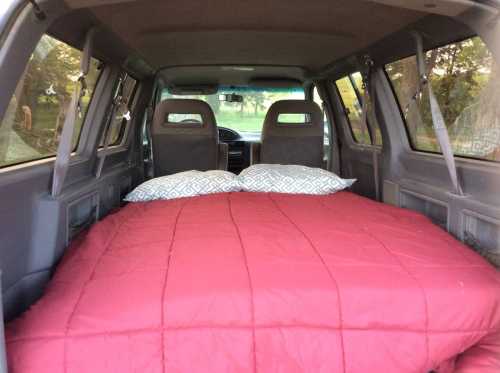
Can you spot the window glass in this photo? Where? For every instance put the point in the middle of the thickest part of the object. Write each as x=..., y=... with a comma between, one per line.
x=466, y=82
x=184, y=118
x=248, y=115
x=374, y=129
x=352, y=108
x=123, y=112
x=293, y=118
x=32, y=125
x=351, y=91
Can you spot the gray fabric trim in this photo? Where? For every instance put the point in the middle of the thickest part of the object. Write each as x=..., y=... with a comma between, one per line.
x=108, y=130
x=255, y=152
x=444, y=140
x=181, y=147
x=65, y=145
x=368, y=94
x=88, y=48
x=3, y=354
x=66, y=142
x=300, y=144
x=275, y=33
x=223, y=158
x=208, y=127
x=293, y=151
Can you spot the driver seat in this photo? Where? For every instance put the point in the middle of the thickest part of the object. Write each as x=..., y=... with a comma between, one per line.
x=186, y=144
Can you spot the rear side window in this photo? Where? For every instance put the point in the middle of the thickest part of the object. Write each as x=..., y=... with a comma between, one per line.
x=466, y=82
x=32, y=125
x=351, y=91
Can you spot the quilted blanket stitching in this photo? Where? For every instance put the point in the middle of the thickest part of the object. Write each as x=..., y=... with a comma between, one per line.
x=82, y=289
x=330, y=274
x=164, y=287
x=403, y=267
x=390, y=329
x=245, y=259
x=422, y=289
x=71, y=334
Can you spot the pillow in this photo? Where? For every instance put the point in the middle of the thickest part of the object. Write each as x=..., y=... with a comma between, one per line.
x=185, y=184
x=291, y=179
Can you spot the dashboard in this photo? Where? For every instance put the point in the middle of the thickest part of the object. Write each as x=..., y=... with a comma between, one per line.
x=227, y=135
x=239, y=145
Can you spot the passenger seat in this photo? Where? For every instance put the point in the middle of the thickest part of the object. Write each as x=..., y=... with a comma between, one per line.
x=291, y=143
x=186, y=144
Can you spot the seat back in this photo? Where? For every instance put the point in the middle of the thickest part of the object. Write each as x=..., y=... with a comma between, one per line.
x=184, y=144
x=293, y=143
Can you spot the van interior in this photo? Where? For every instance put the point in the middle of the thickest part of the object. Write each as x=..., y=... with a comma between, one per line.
x=394, y=104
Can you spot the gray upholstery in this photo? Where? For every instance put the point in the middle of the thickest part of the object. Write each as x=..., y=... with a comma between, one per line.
x=223, y=156
x=3, y=354
x=293, y=143
x=185, y=146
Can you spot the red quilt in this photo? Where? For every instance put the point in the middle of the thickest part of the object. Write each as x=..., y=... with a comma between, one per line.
x=264, y=283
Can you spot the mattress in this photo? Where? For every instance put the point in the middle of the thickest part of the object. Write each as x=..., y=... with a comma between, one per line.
x=255, y=282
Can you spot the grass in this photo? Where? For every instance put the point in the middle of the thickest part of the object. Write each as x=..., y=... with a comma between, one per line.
x=45, y=117
x=250, y=122
x=240, y=122
x=41, y=138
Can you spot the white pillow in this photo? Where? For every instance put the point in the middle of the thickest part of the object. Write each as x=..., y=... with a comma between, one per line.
x=185, y=184
x=291, y=179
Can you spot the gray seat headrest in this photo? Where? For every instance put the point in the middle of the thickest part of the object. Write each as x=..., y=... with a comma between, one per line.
x=313, y=127
x=182, y=145
x=293, y=143
x=162, y=125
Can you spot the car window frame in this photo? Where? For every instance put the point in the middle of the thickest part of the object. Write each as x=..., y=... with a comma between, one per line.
x=346, y=116
x=409, y=137
x=122, y=139
x=78, y=148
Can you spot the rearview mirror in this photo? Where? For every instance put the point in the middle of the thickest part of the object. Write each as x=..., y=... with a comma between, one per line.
x=231, y=97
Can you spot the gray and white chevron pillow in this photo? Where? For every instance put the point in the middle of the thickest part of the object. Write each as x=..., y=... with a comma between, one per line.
x=291, y=179
x=185, y=184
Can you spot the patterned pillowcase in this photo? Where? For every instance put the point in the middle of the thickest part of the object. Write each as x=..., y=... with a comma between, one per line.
x=185, y=184
x=291, y=179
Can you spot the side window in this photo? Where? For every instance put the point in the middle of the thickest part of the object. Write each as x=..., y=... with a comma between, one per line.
x=466, y=82
x=317, y=99
x=119, y=123
x=32, y=124
x=351, y=92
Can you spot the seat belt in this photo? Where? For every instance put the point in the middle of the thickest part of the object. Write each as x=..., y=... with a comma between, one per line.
x=65, y=148
x=117, y=101
x=332, y=165
x=438, y=122
x=367, y=96
x=149, y=165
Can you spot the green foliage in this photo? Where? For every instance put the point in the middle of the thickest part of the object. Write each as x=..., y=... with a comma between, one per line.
x=462, y=75
x=459, y=75
x=38, y=107
x=353, y=107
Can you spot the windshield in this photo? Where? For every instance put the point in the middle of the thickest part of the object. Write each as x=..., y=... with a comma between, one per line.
x=248, y=115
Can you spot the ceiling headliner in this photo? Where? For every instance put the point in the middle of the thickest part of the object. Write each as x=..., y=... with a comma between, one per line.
x=259, y=32
x=231, y=75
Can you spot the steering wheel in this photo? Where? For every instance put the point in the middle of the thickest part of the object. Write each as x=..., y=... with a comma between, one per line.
x=228, y=134
x=191, y=120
